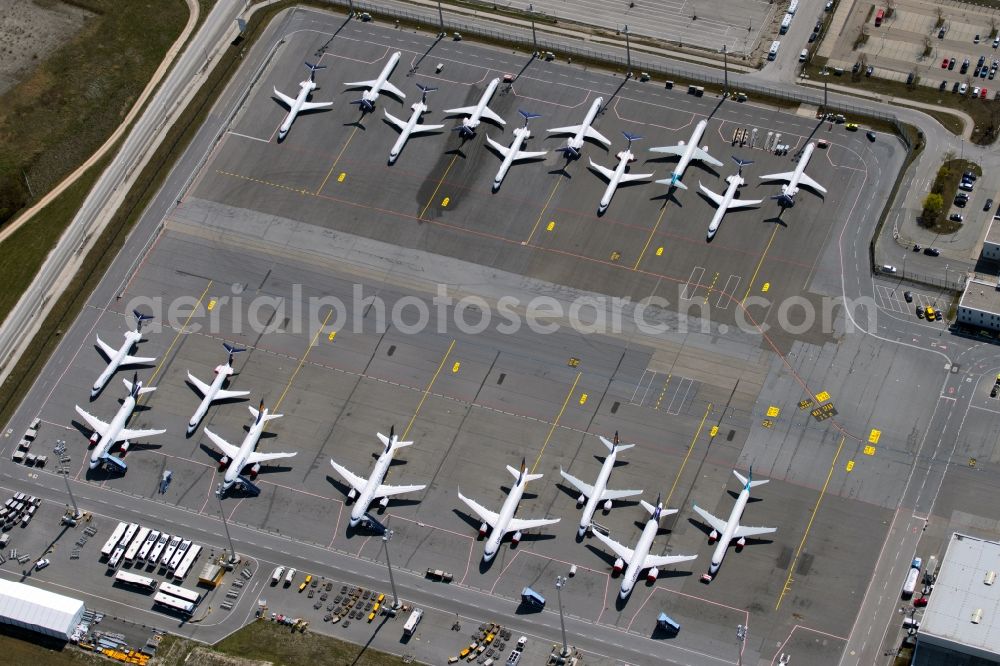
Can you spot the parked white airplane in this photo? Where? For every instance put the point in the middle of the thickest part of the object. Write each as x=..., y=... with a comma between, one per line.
x=505, y=522
x=120, y=357
x=411, y=126
x=597, y=493
x=215, y=391
x=372, y=488
x=376, y=86
x=795, y=178
x=106, y=435
x=618, y=176
x=640, y=559
x=234, y=459
x=467, y=129
x=299, y=104
x=582, y=131
x=514, y=153
x=687, y=152
x=728, y=201
x=731, y=529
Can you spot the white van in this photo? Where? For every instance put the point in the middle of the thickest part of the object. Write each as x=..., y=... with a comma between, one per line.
x=804, y=55
x=276, y=577
x=792, y=6
x=773, y=52
x=289, y=577
x=785, y=24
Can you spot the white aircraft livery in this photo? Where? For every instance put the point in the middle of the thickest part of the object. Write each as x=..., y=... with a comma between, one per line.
x=106, y=435
x=213, y=392
x=728, y=201
x=687, y=152
x=514, y=152
x=376, y=86
x=411, y=126
x=300, y=103
x=368, y=490
x=731, y=529
x=618, y=176
x=581, y=132
x=120, y=357
x=596, y=494
x=504, y=522
x=639, y=559
x=234, y=459
x=795, y=178
x=467, y=129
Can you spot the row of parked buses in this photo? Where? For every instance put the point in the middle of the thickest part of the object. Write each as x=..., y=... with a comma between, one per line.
x=133, y=544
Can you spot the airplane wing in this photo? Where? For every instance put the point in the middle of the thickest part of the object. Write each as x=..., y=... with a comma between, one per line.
x=572, y=129
x=96, y=424
x=780, y=176
x=487, y=113
x=743, y=203
x=487, y=516
x=417, y=129
x=806, y=180
x=266, y=457
x=584, y=488
x=632, y=177
x=528, y=154
x=677, y=150
x=753, y=531
x=106, y=349
x=388, y=87
x=362, y=84
x=138, y=434
x=461, y=111
x=619, y=494
x=132, y=360
x=666, y=560
x=203, y=388
x=717, y=525
x=353, y=479
x=394, y=120
x=517, y=524
x=700, y=154
x=503, y=150
x=711, y=195
x=306, y=106
x=224, y=446
x=284, y=98
x=388, y=491
x=594, y=134
x=604, y=171
x=223, y=394
x=620, y=550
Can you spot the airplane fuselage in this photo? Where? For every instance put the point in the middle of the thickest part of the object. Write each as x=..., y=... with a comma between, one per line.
x=117, y=424
x=692, y=145
x=368, y=493
x=792, y=188
x=507, y=512
x=131, y=338
x=599, y=486
x=727, y=535
x=727, y=198
x=521, y=134
x=372, y=93
x=472, y=122
x=624, y=157
x=640, y=552
x=221, y=373
x=248, y=446
x=419, y=108
x=305, y=89
x=576, y=141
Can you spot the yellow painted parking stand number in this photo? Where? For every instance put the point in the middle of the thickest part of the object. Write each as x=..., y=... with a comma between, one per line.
x=874, y=436
x=211, y=304
x=583, y=398
x=766, y=287
x=850, y=465
x=869, y=450
x=455, y=367
x=551, y=225
x=773, y=411
x=822, y=396
x=659, y=251
x=332, y=335
x=445, y=202
x=714, y=431
x=341, y=177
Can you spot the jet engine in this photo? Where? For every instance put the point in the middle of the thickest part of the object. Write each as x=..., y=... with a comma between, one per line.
x=124, y=448
x=482, y=529
x=651, y=576
x=713, y=536
x=618, y=566
x=581, y=499
x=384, y=502
x=254, y=471
x=607, y=505
x=223, y=462
x=351, y=494
x=741, y=542
x=94, y=439
x=516, y=539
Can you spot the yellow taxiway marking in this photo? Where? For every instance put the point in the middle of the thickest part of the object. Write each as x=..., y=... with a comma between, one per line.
x=177, y=337
x=429, y=386
x=541, y=214
x=329, y=173
x=555, y=423
x=440, y=182
x=302, y=361
x=759, y=264
x=694, y=440
x=791, y=568
x=650, y=239
x=874, y=436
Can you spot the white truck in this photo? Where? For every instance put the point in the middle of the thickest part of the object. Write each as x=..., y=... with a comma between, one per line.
x=276, y=576
x=412, y=622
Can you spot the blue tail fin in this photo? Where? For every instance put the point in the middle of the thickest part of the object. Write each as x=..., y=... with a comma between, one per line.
x=741, y=163
x=528, y=115
x=312, y=70
x=631, y=137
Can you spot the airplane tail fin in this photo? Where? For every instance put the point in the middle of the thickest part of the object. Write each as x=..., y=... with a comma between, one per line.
x=312, y=70
x=365, y=105
x=259, y=415
x=747, y=480
x=232, y=349
x=569, y=152
x=135, y=387
x=740, y=162
x=631, y=137
x=528, y=115
x=424, y=90
x=784, y=200
x=615, y=445
x=139, y=318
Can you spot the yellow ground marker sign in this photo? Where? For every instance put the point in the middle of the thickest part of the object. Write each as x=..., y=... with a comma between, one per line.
x=583, y=398
x=211, y=304
x=445, y=202
x=551, y=225
x=873, y=437
x=822, y=396
x=850, y=465
x=659, y=251
x=773, y=411
x=332, y=335
x=341, y=177
x=455, y=367
x=714, y=431
x=766, y=287
x=869, y=450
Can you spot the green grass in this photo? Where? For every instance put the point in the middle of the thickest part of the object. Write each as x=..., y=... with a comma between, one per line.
x=21, y=650
x=55, y=118
x=946, y=184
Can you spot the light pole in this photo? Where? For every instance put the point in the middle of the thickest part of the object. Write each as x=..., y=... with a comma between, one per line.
x=531, y=17
x=386, y=535
x=560, y=581
x=440, y=19
x=725, y=65
x=628, y=56
x=741, y=636
x=60, y=449
x=232, y=549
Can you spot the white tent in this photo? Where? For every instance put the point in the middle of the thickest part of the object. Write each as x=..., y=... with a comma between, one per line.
x=39, y=610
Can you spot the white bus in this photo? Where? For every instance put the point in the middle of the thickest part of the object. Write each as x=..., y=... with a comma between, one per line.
x=169, y=552
x=179, y=554
x=136, y=544
x=116, y=536
x=158, y=548
x=792, y=6
x=141, y=583
x=116, y=558
x=182, y=569
x=772, y=53
x=180, y=592
x=148, y=546
x=412, y=622
x=785, y=24
x=129, y=534
x=173, y=603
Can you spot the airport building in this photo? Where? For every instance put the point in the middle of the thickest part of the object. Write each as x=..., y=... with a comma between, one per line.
x=991, y=246
x=39, y=610
x=961, y=624
x=980, y=303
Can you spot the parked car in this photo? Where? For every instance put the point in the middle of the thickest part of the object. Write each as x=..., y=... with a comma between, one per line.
x=982, y=94
x=956, y=217
x=951, y=64
x=856, y=68
x=818, y=26
x=941, y=33
x=812, y=37
x=888, y=268
x=976, y=40
x=969, y=175
x=965, y=66
x=920, y=602
x=982, y=59
x=909, y=78
x=961, y=201
x=852, y=127
x=996, y=42
x=988, y=204
x=965, y=185
x=954, y=87
x=908, y=295
x=975, y=72
x=932, y=251
x=41, y=564
x=870, y=134
x=962, y=89
x=920, y=311
x=944, y=85
x=944, y=64
x=870, y=70
x=975, y=91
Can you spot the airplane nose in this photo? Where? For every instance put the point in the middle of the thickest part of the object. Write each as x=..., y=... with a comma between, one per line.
x=581, y=531
x=713, y=569
x=487, y=555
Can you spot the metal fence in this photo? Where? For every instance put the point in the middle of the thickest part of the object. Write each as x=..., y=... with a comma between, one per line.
x=952, y=280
